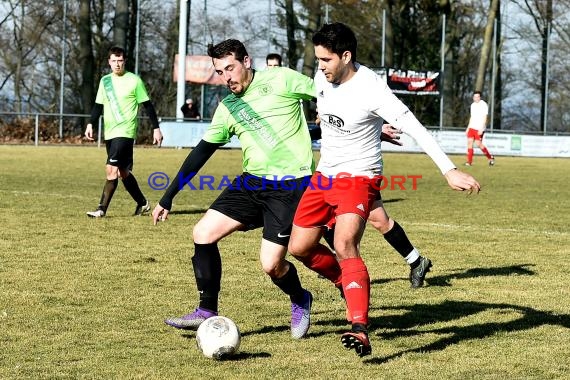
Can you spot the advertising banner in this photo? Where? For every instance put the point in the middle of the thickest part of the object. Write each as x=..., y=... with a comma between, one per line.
x=410, y=81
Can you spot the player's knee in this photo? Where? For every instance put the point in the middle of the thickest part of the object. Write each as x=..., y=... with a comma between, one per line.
x=298, y=248
x=273, y=268
x=202, y=234
x=112, y=172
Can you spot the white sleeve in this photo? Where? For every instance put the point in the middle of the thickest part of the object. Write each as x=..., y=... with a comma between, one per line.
x=395, y=112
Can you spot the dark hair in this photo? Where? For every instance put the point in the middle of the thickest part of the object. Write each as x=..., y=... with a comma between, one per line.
x=117, y=50
x=228, y=47
x=336, y=37
x=477, y=93
x=274, y=56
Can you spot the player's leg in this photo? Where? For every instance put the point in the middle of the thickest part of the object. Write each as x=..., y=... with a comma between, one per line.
x=395, y=235
x=125, y=156
x=111, y=175
x=231, y=211
x=207, y=265
x=470, y=140
x=311, y=215
x=352, y=208
x=355, y=280
x=284, y=275
x=279, y=201
x=485, y=151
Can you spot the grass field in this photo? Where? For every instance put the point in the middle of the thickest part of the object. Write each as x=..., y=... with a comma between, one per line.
x=84, y=298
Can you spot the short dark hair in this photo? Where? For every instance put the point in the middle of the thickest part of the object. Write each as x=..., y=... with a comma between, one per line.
x=274, y=56
x=116, y=50
x=228, y=47
x=336, y=37
x=477, y=93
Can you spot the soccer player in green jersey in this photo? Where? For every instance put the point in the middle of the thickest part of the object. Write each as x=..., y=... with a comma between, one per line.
x=118, y=98
x=264, y=111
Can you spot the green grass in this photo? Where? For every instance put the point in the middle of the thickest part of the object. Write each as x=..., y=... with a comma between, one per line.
x=84, y=298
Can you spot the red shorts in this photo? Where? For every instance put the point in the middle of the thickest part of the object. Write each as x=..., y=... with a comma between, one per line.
x=474, y=134
x=326, y=197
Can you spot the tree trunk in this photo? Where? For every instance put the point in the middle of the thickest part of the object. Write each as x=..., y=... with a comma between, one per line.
x=544, y=66
x=486, y=47
x=86, y=58
x=291, y=22
x=121, y=23
x=314, y=10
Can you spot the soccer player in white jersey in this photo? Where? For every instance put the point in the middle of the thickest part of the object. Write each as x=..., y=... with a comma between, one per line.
x=353, y=102
x=476, y=128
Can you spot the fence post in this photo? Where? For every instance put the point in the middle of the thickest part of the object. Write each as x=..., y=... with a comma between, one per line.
x=37, y=130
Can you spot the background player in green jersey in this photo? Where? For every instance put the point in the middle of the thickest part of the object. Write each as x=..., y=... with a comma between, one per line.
x=264, y=111
x=118, y=98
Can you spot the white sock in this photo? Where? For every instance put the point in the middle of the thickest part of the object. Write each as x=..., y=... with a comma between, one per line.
x=412, y=256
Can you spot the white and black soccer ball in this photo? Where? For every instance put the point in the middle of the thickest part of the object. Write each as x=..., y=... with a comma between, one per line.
x=218, y=337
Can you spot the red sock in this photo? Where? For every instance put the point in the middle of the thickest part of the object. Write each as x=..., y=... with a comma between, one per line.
x=486, y=152
x=322, y=261
x=356, y=285
x=470, y=155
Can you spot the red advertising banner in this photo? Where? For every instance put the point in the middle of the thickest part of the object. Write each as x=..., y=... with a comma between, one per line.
x=410, y=81
x=199, y=69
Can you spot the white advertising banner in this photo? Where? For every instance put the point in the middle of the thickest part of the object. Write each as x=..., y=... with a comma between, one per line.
x=188, y=134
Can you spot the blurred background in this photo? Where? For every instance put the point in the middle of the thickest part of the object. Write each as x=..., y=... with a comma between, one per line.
x=54, y=53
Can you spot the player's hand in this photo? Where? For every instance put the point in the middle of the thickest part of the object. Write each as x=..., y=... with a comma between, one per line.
x=460, y=181
x=390, y=134
x=89, y=132
x=159, y=214
x=157, y=137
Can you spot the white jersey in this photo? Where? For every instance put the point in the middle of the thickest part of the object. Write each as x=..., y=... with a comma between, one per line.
x=479, y=112
x=352, y=115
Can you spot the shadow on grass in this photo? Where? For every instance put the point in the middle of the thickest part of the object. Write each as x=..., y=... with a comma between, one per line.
x=393, y=200
x=188, y=212
x=445, y=280
x=418, y=315
x=240, y=355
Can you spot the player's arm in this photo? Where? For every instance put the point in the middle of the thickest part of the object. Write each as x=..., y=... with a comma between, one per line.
x=456, y=179
x=190, y=167
x=151, y=112
x=399, y=115
x=96, y=113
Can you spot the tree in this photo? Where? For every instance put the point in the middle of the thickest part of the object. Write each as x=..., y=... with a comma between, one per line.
x=86, y=56
x=487, y=43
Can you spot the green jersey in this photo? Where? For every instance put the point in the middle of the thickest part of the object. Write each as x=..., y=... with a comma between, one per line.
x=120, y=97
x=269, y=122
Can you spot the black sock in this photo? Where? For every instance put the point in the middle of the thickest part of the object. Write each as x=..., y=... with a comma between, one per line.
x=108, y=191
x=207, y=265
x=133, y=188
x=397, y=238
x=291, y=285
x=329, y=237
x=359, y=327
x=415, y=264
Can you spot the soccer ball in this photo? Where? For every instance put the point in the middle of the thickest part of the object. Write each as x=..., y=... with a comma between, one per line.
x=218, y=337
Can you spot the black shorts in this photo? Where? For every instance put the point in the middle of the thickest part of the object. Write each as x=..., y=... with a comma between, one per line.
x=120, y=152
x=256, y=202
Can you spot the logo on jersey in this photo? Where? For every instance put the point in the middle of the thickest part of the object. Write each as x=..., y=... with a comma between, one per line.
x=332, y=120
x=265, y=90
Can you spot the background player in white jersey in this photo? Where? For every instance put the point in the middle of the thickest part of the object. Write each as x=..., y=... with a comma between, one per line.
x=476, y=128
x=264, y=111
x=353, y=102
